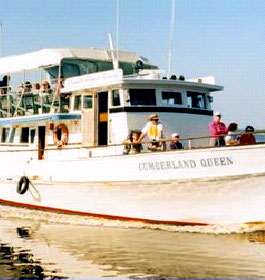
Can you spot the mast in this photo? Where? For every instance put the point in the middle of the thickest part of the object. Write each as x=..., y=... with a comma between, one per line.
x=173, y=12
x=2, y=39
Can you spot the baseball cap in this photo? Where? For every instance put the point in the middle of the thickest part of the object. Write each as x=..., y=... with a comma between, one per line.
x=217, y=113
x=174, y=135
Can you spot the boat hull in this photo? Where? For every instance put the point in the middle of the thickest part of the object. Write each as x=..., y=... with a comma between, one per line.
x=183, y=187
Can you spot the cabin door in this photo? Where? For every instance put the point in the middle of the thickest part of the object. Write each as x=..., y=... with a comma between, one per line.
x=88, y=120
x=103, y=118
x=41, y=142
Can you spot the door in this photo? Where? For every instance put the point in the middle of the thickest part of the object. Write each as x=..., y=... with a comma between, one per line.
x=88, y=120
x=103, y=118
x=41, y=142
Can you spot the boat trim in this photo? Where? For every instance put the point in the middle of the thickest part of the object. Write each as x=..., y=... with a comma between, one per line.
x=94, y=215
x=39, y=118
x=161, y=110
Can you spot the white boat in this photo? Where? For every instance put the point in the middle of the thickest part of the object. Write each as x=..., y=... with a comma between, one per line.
x=62, y=150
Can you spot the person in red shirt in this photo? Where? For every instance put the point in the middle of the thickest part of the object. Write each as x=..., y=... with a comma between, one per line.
x=217, y=130
x=248, y=138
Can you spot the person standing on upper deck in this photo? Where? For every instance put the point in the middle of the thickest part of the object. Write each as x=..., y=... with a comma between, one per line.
x=154, y=130
x=217, y=130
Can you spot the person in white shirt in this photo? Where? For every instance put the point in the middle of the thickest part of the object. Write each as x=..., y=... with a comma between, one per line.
x=154, y=130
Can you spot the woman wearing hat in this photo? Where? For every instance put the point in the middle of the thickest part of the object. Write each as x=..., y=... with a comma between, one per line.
x=154, y=130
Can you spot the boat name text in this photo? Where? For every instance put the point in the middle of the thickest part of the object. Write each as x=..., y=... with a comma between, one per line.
x=187, y=163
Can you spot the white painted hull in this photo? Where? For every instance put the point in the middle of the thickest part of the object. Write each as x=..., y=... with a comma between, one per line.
x=150, y=187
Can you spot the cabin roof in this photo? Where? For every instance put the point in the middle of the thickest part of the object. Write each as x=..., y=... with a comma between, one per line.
x=48, y=57
x=115, y=77
x=39, y=118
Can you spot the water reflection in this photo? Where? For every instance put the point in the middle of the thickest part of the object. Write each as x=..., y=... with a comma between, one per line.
x=45, y=250
x=18, y=263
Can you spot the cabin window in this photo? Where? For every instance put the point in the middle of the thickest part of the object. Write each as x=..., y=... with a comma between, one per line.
x=143, y=97
x=32, y=135
x=5, y=133
x=171, y=98
x=77, y=103
x=65, y=103
x=87, y=101
x=24, y=135
x=115, y=98
x=196, y=100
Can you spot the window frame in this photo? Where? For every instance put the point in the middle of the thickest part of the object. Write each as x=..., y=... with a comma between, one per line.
x=171, y=91
x=140, y=90
x=190, y=93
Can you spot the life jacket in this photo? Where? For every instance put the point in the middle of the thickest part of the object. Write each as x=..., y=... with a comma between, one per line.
x=153, y=131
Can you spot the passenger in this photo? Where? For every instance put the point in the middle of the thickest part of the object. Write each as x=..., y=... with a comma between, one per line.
x=4, y=84
x=217, y=130
x=59, y=85
x=154, y=130
x=132, y=143
x=36, y=88
x=175, y=144
x=27, y=87
x=248, y=138
x=46, y=88
x=231, y=139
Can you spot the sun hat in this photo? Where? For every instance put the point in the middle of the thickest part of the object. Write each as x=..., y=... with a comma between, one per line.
x=153, y=117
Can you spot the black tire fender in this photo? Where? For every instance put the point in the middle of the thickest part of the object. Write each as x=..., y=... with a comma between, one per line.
x=23, y=185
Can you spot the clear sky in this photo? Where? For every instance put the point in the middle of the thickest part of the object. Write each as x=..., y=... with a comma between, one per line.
x=221, y=38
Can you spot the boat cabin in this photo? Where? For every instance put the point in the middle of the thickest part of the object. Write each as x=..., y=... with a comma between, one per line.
x=87, y=103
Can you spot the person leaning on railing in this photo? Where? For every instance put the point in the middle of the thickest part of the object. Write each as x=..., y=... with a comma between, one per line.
x=175, y=144
x=154, y=130
x=217, y=130
x=231, y=139
x=248, y=138
x=131, y=144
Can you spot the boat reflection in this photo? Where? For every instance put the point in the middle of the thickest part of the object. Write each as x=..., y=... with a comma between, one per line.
x=46, y=250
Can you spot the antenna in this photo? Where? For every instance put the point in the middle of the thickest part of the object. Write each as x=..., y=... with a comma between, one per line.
x=173, y=12
x=2, y=38
x=114, y=60
x=117, y=33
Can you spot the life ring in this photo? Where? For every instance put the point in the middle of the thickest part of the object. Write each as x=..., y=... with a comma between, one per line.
x=60, y=135
x=23, y=185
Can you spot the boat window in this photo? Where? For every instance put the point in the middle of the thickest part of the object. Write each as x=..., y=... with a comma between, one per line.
x=196, y=100
x=87, y=101
x=115, y=98
x=24, y=135
x=65, y=103
x=171, y=98
x=142, y=96
x=5, y=133
x=77, y=103
x=32, y=135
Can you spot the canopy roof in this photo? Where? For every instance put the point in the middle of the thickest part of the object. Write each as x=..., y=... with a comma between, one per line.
x=49, y=57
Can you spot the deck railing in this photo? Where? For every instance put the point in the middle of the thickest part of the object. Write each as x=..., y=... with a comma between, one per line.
x=191, y=144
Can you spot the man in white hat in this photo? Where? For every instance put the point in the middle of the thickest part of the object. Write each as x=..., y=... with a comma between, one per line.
x=154, y=130
x=217, y=130
x=175, y=144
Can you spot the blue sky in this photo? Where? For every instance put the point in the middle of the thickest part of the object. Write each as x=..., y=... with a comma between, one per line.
x=221, y=38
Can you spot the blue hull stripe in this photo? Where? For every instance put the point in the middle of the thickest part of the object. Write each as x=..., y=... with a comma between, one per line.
x=39, y=118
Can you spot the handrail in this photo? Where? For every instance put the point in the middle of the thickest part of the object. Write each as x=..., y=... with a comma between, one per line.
x=69, y=146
